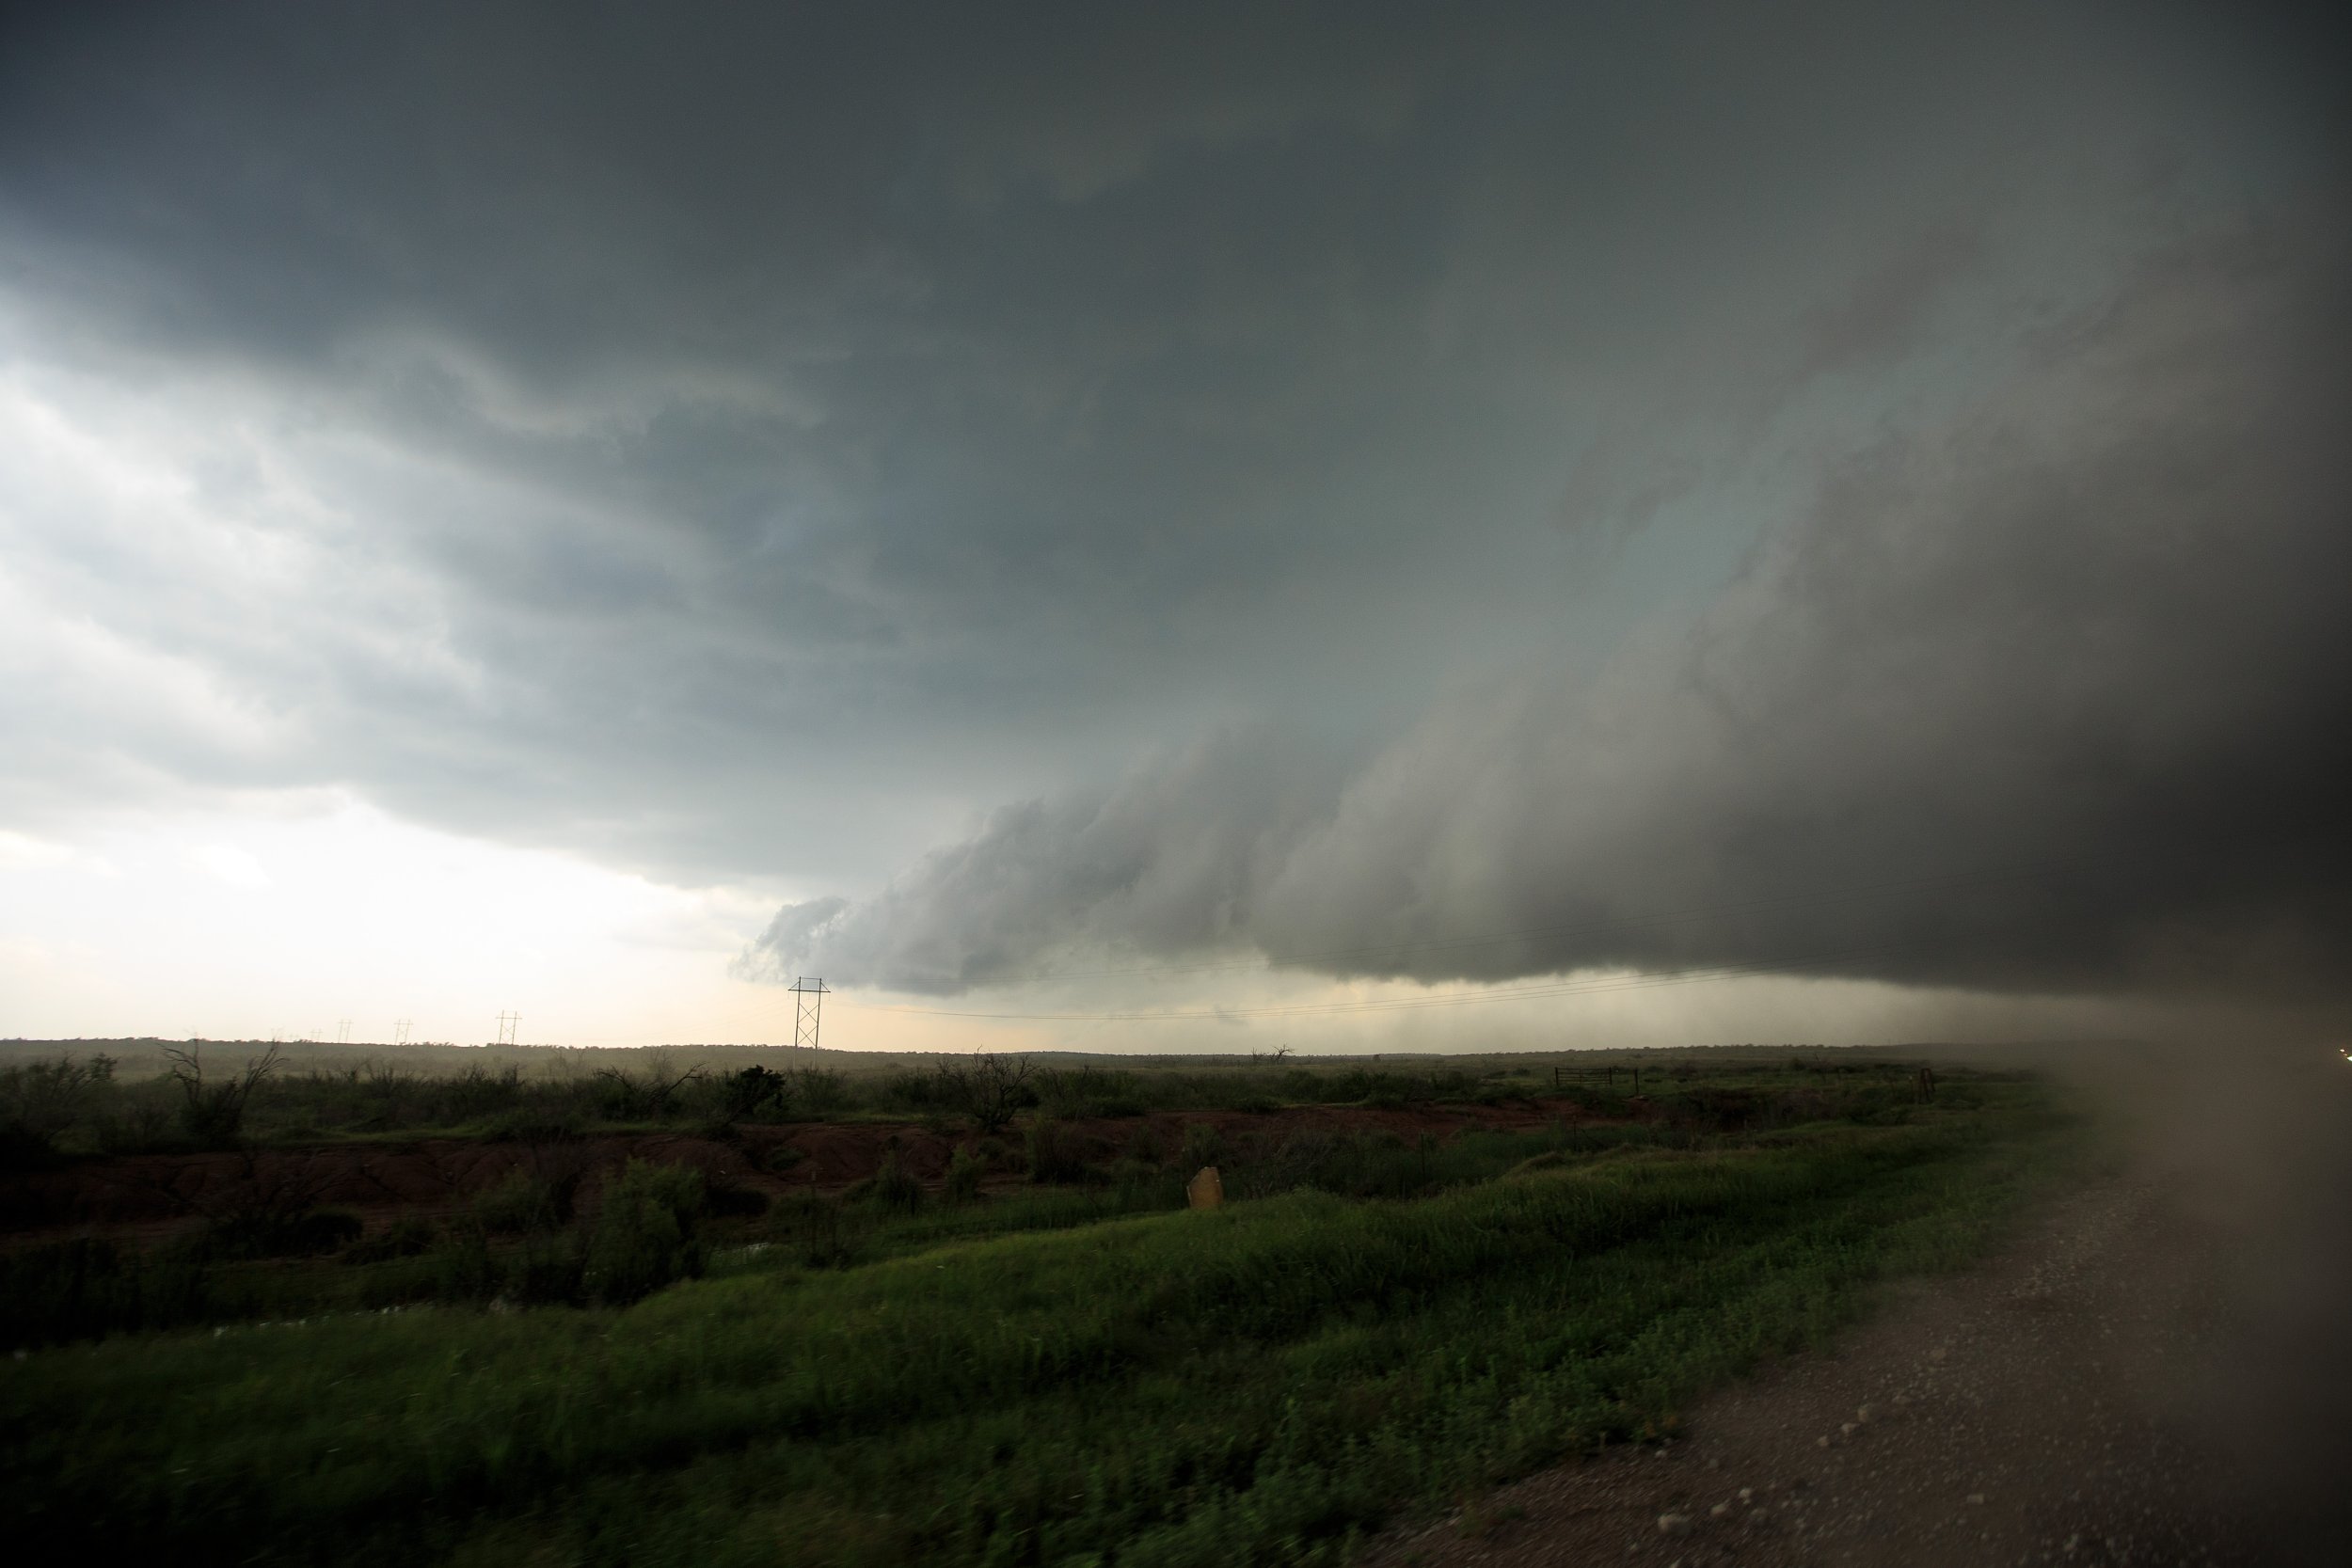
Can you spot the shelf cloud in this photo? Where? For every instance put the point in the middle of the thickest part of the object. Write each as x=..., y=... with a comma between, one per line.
x=2050, y=697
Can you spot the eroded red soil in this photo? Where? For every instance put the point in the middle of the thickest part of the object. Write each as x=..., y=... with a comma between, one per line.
x=148, y=1195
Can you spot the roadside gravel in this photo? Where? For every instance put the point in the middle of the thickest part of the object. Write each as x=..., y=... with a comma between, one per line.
x=2079, y=1400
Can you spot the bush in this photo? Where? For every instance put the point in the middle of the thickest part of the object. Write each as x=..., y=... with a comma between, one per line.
x=895, y=1188
x=547, y=1270
x=87, y=1288
x=725, y=1199
x=39, y=1101
x=1204, y=1146
x=521, y=1201
x=407, y=1237
x=1055, y=1155
x=140, y=1127
x=753, y=1090
x=1088, y=1092
x=822, y=1091
x=965, y=1170
x=537, y=1124
x=299, y=1235
x=821, y=1232
x=645, y=1235
x=623, y=1096
x=213, y=1114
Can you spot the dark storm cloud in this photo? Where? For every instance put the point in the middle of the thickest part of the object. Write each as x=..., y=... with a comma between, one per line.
x=2054, y=697
x=755, y=443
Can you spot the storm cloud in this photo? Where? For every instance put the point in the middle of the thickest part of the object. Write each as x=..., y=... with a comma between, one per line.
x=2052, y=697
x=1363, y=490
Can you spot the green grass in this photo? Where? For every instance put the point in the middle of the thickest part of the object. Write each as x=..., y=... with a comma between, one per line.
x=75, y=1100
x=1261, y=1383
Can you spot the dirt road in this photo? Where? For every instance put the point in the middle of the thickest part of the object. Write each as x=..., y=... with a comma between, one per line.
x=2147, y=1375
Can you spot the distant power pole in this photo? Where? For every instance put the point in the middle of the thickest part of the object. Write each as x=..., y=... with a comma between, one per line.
x=400, y=1031
x=509, y=1023
x=808, y=1010
x=343, y=1031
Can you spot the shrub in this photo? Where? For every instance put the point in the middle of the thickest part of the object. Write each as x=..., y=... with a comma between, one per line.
x=725, y=1199
x=39, y=1101
x=547, y=1270
x=407, y=1237
x=821, y=1232
x=895, y=1187
x=822, y=1091
x=536, y=1124
x=521, y=1201
x=622, y=1096
x=754, y=1090
x=986, y=1088
x=463, y=1267
x=85, y=1287
x=965, y=1170
x=1055, y=1155
x=140, y=1127
x=1204, y=1146
x=645, y=1235
x=1088, y=1092
x=213, y=1114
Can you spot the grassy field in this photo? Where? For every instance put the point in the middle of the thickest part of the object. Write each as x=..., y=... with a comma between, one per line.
x=131, y=1096
x=1023, y=1380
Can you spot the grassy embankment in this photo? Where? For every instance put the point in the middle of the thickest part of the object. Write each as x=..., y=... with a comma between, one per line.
x=1256, y=1385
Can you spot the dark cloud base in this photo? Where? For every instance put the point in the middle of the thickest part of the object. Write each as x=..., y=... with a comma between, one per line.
x=2057, y=696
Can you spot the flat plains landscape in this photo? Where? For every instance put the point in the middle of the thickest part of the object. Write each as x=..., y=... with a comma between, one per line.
x=694, y=1307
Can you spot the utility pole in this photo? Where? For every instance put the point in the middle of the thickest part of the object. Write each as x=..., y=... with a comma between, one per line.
x=808, y=1008
x=509, y=1023
x=400, y=1031
x=343, y=1031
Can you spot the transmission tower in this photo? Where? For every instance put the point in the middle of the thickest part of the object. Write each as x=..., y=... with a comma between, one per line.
x=509, y=1023
x=400, y=1031
x=808, y=1010
x=343, y=1031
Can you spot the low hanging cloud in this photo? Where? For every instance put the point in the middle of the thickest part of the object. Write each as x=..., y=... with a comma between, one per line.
x=2051, y=695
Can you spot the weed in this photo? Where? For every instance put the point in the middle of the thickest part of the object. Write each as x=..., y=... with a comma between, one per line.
x=521, y=1201
x=820, y=1232
x=894, y=1187
x=1055, y=1154
x=645, y=1235
x=1203, y=1145
x=407, y=1237
x=965, y=1170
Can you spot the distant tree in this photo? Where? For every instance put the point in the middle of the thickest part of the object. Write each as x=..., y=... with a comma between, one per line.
x=213, y=1114
x=989, y=1089
x=746, y=1092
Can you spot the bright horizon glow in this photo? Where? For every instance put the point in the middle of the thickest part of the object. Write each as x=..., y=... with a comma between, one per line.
x=282, y=923
x=284, y=918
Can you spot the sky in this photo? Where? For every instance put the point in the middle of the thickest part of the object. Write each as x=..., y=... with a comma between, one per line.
x=1200, y=528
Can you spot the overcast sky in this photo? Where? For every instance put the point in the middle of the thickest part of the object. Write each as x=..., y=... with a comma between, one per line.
x=1629, y=522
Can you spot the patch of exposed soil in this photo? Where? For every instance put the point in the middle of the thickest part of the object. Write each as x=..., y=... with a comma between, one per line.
x=144, y=1197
